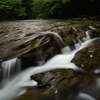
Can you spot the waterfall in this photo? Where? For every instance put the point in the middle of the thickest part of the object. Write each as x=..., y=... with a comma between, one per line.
x=56, y=36
x=62, y=44
x=93, y=28
x=15, y=82
x=18, y=84
x=66, y=49
x=87, y=36
x=66, y=58
x=10, y=69
x=83, y=96
x=39, y=57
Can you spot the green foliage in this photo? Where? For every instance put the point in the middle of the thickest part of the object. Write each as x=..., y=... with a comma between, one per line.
x=56, y=6
x=27, y=4
x=46, y=8
x=65, y=1
x=14, y=9
x=11, y=9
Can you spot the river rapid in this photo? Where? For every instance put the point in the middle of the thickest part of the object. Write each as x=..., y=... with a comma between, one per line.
x=32, y=47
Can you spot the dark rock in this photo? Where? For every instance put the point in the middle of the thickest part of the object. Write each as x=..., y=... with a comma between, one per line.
x=94, y=33
x=53, y=85
x=88, y=58
x=59, y=84
x=54, y=76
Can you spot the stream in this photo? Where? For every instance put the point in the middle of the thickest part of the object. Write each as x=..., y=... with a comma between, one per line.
x=31, y=51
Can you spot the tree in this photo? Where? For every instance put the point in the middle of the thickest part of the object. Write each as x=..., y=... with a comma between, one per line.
x=11, y=9
x=14, y=9
x=27, y=4
x=47, y=8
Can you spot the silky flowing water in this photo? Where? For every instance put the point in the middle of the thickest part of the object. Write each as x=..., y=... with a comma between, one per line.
x=15, y=83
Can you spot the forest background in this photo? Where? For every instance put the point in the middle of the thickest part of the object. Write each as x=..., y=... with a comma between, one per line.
x=48, y=9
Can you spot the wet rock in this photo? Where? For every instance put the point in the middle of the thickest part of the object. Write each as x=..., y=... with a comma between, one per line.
x=17, y=39
x=88, y=58
x=23, y=47
x=58, y=84
x=94, y=33
x=54, y=76
x=68, y=40
x=52, y=85
x=1, y=32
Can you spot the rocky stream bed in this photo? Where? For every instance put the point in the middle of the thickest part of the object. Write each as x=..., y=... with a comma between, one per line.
x=21, y=39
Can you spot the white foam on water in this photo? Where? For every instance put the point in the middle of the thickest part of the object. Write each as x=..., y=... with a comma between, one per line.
x=18, y=84
x=93, y=28
x=41, y=62
x=58, y=37
x=10, y=68
x=87, y=36
x=83, y=96
x=66, y=49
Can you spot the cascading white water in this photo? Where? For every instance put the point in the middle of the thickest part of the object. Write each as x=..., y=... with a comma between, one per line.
x=83, y=96
x=56, y=36
x=66, y=49
x=87, y=36
x=18, y=84
x=93, y=28
x=10, y=69
x=39, y=55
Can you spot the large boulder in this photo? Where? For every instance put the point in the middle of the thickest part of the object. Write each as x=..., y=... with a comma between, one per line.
x=94, y=33
x=89, y=57
x=18, y=39
x=60, y=84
